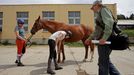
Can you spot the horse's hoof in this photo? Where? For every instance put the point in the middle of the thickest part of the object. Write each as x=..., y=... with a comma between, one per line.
x=58, y=61
x=62, y=62
x=91, y=61
x=84, y=60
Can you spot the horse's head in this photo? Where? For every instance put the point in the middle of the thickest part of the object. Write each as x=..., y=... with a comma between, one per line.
x=37, y=26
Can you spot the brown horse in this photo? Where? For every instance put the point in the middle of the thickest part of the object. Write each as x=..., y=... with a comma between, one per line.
x=79, y=32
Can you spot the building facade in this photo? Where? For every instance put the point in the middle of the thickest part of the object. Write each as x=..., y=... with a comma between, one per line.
x=65, y=13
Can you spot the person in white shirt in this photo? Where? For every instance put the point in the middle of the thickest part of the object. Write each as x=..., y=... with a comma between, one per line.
x=53, y=40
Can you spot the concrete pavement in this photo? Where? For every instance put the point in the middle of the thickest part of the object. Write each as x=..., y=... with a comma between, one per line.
x=36, y=57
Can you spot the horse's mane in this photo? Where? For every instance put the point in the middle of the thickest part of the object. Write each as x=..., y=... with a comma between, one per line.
x=54, y=22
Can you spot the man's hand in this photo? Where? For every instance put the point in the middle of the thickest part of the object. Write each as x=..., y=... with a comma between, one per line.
x=87, y=42
x=102, y=41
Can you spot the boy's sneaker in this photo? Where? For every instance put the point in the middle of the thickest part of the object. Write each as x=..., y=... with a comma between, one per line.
x=16, y=61
x=20, y=64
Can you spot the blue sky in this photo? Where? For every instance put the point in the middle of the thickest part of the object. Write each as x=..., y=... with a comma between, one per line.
x=125, y=7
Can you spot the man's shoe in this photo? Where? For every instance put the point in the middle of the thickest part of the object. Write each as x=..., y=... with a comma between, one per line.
x=49, y=71
x=20, y=64
x=16, y=61
x=58, y=68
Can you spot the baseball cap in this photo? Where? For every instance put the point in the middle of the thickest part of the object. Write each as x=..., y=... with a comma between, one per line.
x=20, y=21
x=96, y=2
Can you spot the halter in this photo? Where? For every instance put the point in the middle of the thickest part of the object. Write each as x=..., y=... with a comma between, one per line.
x=28, y=40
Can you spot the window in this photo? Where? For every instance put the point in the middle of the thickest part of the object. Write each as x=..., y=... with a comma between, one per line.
x=1, y=21
x=23, y=15
x=49, y=15
x=74, y=17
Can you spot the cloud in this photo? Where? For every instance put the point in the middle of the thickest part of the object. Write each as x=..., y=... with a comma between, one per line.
x=123, y=6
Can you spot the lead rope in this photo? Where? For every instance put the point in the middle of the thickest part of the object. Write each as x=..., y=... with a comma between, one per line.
x=72, y=53
x=79, y=71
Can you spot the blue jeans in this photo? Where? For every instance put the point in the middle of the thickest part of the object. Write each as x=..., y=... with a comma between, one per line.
x=105, y=65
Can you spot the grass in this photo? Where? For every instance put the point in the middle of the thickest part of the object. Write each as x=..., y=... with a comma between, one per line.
x=129, y=32
x=74, y=44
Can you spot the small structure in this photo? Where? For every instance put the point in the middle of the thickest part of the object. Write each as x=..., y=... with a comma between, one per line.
x=126, y=24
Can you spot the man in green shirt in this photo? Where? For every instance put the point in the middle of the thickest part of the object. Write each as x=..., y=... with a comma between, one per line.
x=103, y=29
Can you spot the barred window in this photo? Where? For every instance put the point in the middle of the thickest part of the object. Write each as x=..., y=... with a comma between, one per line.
x=1, y=21
x=49, y=15
x=23, y=15
x=74, y=17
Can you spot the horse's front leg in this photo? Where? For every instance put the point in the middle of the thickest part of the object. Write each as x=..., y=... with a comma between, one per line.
x=58, y=58
x=59, y=51
x=63, y=53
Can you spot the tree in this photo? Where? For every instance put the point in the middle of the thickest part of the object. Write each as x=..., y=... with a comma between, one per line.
x=132, y=16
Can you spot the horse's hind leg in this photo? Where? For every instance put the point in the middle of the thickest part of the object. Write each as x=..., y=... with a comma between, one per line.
x=86, y=50
x=91, y=52
x=86, y=53
x=59, y=58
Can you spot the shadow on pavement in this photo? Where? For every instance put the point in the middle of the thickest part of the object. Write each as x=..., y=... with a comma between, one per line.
x=43, y=70
x=7, y=66
x=38, y=71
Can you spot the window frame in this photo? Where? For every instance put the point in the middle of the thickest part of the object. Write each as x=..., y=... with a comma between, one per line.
x=1, y=19
x=25, y=18
x=74, y=16
x=47, y=15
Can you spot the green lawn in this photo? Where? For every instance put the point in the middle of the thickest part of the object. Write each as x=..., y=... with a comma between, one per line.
x=74, y=44
x=129, y=32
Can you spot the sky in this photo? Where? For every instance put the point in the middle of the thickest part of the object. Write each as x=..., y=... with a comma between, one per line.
x=125, y=7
